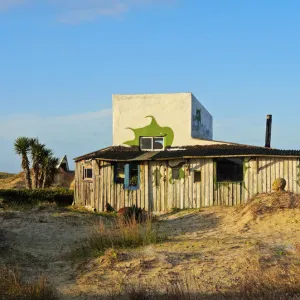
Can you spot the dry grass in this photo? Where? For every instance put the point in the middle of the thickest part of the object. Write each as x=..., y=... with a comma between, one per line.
x=208, y=254
x=277, y=283
x=17, y=181
x=4, y=175
x=268, y=203
x=13, y=288
x=117, y=234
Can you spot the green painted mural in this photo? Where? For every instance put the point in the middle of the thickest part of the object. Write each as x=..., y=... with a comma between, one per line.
x=153, y=130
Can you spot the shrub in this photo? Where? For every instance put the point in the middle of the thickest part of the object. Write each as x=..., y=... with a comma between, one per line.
x=25, y=196
x=13, y=288
x=132, y=213
x=118, y=235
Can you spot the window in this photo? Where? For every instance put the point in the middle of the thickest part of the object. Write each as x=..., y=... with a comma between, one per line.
x=87, y=173
x=119, y=169
x=152, y=143
x=197, y=176
x=133, y=175
x=230, y=169
x=127, y=174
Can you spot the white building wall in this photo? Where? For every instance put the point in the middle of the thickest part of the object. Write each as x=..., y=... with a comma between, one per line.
x=158, y=115
x=202, y=121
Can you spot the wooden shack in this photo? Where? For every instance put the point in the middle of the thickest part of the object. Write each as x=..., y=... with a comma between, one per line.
x=181, y=177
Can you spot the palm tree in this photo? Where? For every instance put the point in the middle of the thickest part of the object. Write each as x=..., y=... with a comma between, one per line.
x=46, y=153
x=22, y=146
x=50, y=170
x=37, y=151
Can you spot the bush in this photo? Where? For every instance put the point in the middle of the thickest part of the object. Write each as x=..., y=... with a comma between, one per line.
x=25, y=196
x=118, y=235
x=132, y=213
x=13, y=288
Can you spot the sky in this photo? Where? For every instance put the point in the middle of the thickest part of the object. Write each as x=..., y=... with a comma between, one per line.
x=61, y=61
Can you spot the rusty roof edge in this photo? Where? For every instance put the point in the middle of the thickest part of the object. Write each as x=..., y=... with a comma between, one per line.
x=239, y=155
x=91, y=153
x=194, y=157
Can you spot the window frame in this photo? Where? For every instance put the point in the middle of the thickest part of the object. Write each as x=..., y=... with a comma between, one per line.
x=84, y=173
x=126, y=184
x=152, y=143
x=118, y=180
x=241, y=171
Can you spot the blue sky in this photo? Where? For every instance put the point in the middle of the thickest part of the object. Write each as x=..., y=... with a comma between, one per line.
x=61, y=60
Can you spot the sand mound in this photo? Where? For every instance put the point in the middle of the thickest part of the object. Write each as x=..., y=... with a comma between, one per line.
x=13, y=182
x=271, y=202
x=266, y=205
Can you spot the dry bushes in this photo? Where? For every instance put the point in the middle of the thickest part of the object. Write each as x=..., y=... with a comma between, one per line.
x=272, y=283
x=117, y=234
x=137, y=214
x=13, y=288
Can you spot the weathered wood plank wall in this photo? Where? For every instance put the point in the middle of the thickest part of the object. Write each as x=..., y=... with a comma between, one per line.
x=160, y=192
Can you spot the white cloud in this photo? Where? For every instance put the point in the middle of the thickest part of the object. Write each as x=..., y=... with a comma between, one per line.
x=76, y=11
x=73, y=135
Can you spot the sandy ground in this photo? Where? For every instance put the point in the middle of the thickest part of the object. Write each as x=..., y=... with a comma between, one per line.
x=213, y=245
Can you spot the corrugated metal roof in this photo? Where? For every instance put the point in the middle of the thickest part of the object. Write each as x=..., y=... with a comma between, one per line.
x=145, y=156
x=122, y=153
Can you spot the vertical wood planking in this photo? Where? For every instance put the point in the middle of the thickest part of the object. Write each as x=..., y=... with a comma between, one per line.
x=247, y=180
x=183, y=193
x=112, y=189
x=201, y=186
x=147, y=190
x=166, y=192
x=263, y=176
x=170, y=188
x=194, y=188
x=187, y=203
x=191, y=183
x=210, y=186
x=138, y=192
x=286, y=173
x=290, y=175
x=295, y=172
x=108, y=183
x=162, y=187
x=101, y=187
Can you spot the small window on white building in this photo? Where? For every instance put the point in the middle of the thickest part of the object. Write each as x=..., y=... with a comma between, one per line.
x=151, y=143
x=87, y=173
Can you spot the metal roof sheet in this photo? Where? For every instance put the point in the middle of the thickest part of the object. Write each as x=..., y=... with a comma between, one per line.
x=122, y=153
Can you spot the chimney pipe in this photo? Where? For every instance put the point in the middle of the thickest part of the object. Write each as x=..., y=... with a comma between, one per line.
x=268, y=131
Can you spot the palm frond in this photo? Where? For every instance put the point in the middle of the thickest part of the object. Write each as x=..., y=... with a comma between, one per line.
x=22, y=145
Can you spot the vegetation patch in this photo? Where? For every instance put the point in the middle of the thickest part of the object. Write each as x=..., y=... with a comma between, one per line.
x=4, y=175
x=13, y=288
x=117, y=234
x=26, y=196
